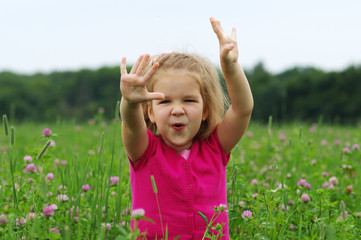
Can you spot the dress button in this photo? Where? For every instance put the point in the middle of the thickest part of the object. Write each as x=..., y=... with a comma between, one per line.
x=185, y=166
x=190, y=187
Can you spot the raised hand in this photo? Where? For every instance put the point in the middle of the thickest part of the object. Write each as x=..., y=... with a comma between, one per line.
x=133, y=84
x=227, y=43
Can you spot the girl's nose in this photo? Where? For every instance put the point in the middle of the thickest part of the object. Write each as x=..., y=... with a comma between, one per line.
x=177, y=110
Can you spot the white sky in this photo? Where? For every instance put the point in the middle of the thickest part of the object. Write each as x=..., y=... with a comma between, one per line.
x=57, y=35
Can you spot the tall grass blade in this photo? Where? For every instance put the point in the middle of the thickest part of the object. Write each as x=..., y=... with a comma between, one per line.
x=6, y=125
x=43, y=150
x=12, y=136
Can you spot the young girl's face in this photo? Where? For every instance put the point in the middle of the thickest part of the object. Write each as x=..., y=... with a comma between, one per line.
x=179, y=115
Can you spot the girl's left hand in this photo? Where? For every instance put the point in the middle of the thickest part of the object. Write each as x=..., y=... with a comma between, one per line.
x=227, y=44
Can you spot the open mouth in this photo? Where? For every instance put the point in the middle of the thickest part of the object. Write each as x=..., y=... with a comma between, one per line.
x=178, y=126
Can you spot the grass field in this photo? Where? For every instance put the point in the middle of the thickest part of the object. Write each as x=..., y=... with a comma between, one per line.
x=295, y=181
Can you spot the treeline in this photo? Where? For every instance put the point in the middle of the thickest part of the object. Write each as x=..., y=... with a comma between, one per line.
x=302, y=94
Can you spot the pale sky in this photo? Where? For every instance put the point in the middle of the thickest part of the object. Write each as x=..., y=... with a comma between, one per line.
x=54, y=35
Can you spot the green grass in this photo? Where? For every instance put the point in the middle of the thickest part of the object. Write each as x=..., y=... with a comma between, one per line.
x=268, y=162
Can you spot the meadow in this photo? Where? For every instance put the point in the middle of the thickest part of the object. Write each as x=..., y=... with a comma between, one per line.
x=69, y=180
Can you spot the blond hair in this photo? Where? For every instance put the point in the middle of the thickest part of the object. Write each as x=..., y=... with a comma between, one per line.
x=210, y=88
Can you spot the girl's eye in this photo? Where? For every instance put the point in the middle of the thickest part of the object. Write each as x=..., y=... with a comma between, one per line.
x=164, y=101
x=189, y=100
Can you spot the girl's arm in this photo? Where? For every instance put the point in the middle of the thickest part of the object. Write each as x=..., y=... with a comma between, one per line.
x=134, y=93
x=232, y=127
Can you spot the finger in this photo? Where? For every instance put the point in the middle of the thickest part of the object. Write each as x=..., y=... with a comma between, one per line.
x=227, y=48
x=155, y=96
x=143, y=65
x=217, y=28
x=151, y=71
x=234, y=34
x=123, y=67
x=136, y=65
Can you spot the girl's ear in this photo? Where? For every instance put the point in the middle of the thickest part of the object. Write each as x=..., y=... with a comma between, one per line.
x=205, y=114
x=150, y=113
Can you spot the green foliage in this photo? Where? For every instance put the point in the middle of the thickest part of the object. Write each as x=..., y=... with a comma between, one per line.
x=304, y=94
x=64, y=95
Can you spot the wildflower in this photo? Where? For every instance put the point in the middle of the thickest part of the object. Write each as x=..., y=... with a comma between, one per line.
x=61, y=187
x=313, y=162
x=249, y=134
x=55, y=230
x=346, y=150
x=3, y=219
x=49, y=176
x=48, y=211
x=52, y=143
x=282, y=137
x=325, y=185
x=30, y=180
x=62, y=198
x=346, y=214
x=114, y=193
x=247, y=214
x=323, y=142
x=220, y=208
x=30, y=168
x=288, y=175
x=57, y=162
x=241, y=203
x=305, y=198
x=138, y=213
x=355, y=147
x=91, y=152
x=312, y=129
x=325, y=174
x=54, y=206
x=301, y=182
x=337, y=142
x=107, y=226
x=358, y=214
x=291, y=202
x=283, y=208
x=333, y=180
x=255, y=195
x=85, y=187
x=20, y=221
x=30, y=216
x=47, y=132
x=304, y=183
x=292, y=226
x=28, y=158
x=114, y=180
x=63, y=162
x=254, y=182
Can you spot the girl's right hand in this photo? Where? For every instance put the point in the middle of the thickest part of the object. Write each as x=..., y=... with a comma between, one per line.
x=133, y=84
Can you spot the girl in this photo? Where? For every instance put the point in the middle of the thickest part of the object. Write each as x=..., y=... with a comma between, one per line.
x=172, y=108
